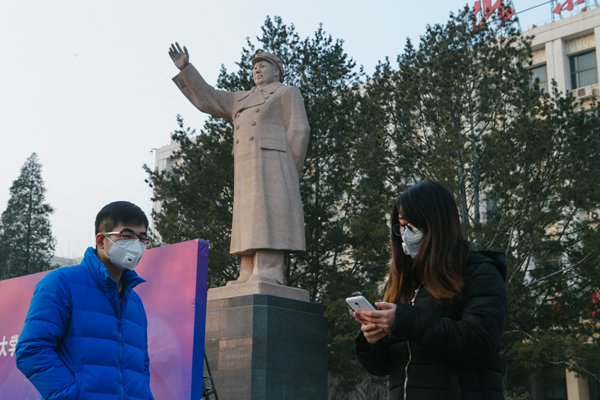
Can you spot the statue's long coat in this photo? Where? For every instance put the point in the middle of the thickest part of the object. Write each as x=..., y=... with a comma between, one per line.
x=269, y=146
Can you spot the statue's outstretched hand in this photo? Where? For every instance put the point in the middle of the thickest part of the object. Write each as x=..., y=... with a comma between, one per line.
x=180, y=57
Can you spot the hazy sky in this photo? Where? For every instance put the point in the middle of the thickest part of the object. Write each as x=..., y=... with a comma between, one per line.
x=87, y=84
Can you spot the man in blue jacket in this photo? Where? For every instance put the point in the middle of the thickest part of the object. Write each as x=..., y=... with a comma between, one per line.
x=85, y=335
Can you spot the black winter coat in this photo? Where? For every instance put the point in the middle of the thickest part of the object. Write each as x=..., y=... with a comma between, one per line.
x=447, y=353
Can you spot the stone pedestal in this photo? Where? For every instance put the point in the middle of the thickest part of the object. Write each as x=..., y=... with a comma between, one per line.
x=262, y=346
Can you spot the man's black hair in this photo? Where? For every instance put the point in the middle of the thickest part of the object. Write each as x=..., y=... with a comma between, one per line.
x=119, y=212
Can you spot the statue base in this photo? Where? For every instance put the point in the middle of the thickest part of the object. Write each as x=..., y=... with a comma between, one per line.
x=268, y=345
x=248, y=288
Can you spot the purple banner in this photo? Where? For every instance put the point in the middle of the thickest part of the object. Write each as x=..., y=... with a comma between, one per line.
x=174, y=296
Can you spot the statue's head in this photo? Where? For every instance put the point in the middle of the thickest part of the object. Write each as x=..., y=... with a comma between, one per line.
x=264, y=76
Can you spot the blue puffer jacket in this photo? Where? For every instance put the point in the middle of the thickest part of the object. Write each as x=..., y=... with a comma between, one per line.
x=80, y=341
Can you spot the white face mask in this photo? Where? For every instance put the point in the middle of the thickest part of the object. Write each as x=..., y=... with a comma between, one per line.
x=126, y=254
x=411, y=240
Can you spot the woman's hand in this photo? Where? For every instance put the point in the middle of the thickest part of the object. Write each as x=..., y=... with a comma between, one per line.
x=377, y=324
x=372, y=333
x=383, y=318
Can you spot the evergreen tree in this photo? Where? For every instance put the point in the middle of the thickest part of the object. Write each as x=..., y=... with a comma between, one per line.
x=26, y=240
x=196, y=195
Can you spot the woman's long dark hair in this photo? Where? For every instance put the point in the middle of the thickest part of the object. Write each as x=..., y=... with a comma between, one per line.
x=443, y=254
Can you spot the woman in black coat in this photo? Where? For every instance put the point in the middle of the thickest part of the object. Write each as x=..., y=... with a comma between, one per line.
x=437, y=332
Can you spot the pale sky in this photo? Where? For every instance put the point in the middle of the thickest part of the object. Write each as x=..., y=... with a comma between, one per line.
x=87, y=84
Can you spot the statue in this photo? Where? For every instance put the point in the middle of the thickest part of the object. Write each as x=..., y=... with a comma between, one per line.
x=270, y=139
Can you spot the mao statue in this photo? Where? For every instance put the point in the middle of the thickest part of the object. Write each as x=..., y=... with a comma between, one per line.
x=270, y=139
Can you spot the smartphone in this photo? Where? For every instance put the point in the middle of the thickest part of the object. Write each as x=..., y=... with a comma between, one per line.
x=359, y=303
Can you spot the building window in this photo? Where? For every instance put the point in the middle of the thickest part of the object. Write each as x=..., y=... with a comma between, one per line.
x=540, y=73
x=584, y=69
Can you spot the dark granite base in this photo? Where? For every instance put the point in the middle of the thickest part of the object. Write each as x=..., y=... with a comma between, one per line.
x=263, y=347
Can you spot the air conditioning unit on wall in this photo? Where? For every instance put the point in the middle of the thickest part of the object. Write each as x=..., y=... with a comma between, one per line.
x=585, y=92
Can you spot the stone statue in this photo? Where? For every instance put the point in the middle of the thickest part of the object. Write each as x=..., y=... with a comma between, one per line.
x=270, y=139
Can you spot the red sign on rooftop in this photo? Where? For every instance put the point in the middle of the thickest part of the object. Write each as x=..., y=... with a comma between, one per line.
x=566, y=6
x=487, y=9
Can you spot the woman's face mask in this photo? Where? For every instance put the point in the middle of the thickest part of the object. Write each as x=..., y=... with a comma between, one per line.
x=411, y=239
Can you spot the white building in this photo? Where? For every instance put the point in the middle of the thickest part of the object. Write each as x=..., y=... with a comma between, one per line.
x=57, y=261
x=163, y=162
x=565, y=51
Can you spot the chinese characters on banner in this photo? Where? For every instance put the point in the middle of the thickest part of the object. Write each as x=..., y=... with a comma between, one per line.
x=7, y=348
x=566, y=6
x=487, y=9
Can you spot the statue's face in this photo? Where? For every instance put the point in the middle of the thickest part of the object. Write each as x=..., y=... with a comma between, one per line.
x=264, y=73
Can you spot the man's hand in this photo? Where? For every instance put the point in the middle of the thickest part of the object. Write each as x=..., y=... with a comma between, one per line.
x=180, y=57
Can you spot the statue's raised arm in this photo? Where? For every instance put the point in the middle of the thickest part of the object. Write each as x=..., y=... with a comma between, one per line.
x=180, y=57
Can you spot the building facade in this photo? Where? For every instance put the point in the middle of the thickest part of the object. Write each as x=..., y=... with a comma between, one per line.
x=164, y=162
x=566, y=51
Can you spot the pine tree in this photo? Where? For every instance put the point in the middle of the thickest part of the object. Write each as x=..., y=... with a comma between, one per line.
x=196, y=195
x=26, y=240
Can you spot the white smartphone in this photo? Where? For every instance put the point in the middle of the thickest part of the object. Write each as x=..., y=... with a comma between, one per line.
x=359, y=303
